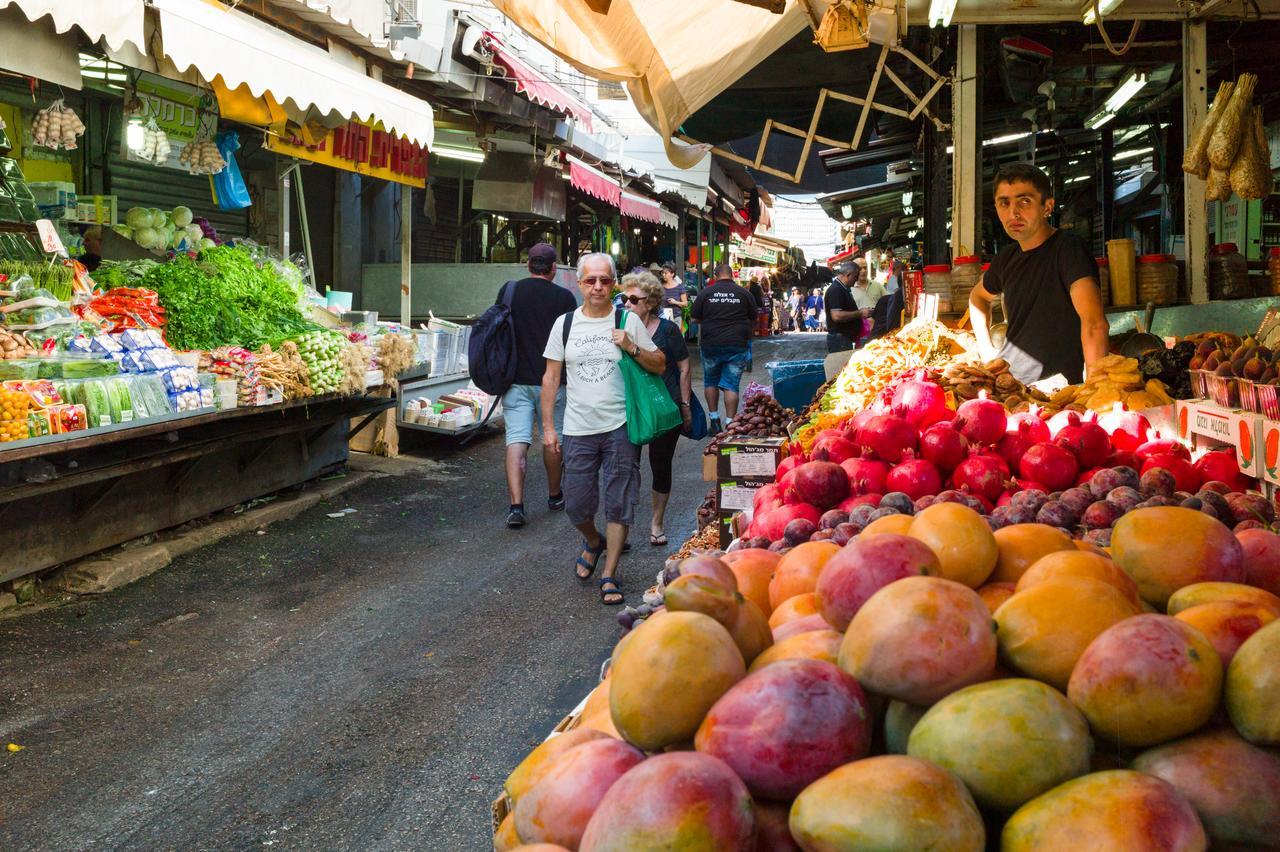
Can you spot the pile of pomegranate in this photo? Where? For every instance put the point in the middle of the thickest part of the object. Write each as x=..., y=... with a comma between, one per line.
x=1080, y=472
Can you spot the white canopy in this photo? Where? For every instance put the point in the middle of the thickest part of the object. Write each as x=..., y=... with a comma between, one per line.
x=220, y=42
x=116, y=21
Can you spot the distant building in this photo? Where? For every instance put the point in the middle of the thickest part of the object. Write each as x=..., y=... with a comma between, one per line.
x=803, y=223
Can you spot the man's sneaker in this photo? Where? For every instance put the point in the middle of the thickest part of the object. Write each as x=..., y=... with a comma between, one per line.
x=515, y=518
x=715, y=424
x=556, y=503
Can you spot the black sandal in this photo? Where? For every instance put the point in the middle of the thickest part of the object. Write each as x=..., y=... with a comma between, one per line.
x=606, y=592
x=590, y=566
x=658, y=540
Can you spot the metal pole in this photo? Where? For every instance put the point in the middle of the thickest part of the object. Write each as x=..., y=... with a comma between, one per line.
x=406, y=254
x=1107, y=186
x=285, y=186
x=1195, y=104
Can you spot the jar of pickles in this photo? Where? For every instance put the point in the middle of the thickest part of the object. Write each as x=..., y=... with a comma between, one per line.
x=1228, y=273
x=1273, y=269
x=1157, y=279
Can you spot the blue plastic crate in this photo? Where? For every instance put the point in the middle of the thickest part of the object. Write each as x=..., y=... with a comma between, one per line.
x=795, y=382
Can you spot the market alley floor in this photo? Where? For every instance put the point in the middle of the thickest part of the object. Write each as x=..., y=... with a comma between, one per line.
x=363, y=682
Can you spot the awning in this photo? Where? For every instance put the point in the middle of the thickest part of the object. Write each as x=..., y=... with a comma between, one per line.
x=639, y=207
x=354, y=22
x=115, y=21
x=221, y=42
x=661, y=49
x=594, y=182
x=669, y=219
x=535, y=86
x=34, y=50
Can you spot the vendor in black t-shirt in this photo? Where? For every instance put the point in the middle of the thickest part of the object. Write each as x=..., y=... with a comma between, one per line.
x=1049, y=281
x=844, y=317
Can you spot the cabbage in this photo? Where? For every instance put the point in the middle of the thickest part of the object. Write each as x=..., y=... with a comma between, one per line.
x=147, y=237
x=124, y=231
x=181, y=216
x=176, y=238
x=138, y=217
x=194, y=235
x=206, y=243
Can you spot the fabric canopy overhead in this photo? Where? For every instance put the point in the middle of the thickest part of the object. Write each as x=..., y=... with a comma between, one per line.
x=594, y=182
x=114, y=21
x=220, y=42
x=639, y=207
x=536, y=87
x=673, y=55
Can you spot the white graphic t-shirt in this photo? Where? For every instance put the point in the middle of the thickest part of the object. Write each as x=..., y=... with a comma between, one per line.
x=596, y=400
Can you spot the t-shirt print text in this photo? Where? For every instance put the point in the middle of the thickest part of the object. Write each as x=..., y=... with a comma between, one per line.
x=594, y=362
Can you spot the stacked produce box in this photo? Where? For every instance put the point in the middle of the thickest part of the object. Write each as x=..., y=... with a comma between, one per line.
x=948, y=625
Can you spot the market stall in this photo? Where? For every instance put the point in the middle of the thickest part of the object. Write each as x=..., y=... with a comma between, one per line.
x=926, y=500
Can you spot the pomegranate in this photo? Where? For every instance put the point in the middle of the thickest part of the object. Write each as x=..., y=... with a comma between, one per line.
x=853, y=429
x=1122, y=458
x=1088, y=442
x=850, y=503
x=1128, y=429
x=943, y=446
x=981, y=420
x=772, y=525
x=982, y=474
x=866, y=475
x=914, y=477
x=767, y=498
x=887, y=436
x=1162, y=446
x=1184, y=473
x=1017, y=441
x=1085, y=478
x=787, y=465
x=821, y=483
x=1067, y=417
x=834, y=449
x=1221, y=466
x=920, y=402
x=1050, y=464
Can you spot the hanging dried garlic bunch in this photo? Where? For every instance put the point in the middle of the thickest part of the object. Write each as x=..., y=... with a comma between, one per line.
x=202, y=157
x=155, y=143
x=56, y=126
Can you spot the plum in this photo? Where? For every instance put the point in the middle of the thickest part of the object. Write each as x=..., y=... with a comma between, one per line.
x=951, y=495
x=1078, y=499
x=1248, y=525
x=1057, y=514
x=925, y=502
x=1100, y=537
x=780, y=546
x=899, y=501
x=883, y=512
x=799, y=531
x=823, y=535
x=977, y=503
x=1104, y=481
x=1250, y=506
x=832, y=518
x=1032, y=499
x=1101, y=515
x=1128, y=476
x=1157, y=480
x=844, y=533
x=1216, y=486
x=1124, y=498
x=999, y=517
x=1181, y=495
x=1021, y=515
x=1193, y=503
x=861, y=515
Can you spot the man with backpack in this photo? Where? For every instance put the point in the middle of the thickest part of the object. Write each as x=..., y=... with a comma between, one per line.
x=533, y=305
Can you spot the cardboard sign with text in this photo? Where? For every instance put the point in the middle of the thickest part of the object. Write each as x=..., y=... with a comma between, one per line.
x=1212, y=425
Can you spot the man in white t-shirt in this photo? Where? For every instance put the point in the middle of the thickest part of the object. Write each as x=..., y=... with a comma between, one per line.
x=595, y=417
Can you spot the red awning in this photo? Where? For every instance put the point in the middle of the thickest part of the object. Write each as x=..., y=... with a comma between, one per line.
x=594, y=182
x=847, y=254
x=535, y=86
x=639, y=207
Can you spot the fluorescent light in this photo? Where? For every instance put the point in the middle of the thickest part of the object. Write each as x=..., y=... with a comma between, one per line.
x=1005, y=140
x=1077, y=179
x=907, y=198
x=1105, y=7
x=1130, y=86
x=940, y=12
x=1129, y=155
x=1098, y=119
x=467, y=155
x=847, y=211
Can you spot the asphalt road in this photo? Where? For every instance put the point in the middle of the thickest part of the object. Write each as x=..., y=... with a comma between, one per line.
x=364, y=682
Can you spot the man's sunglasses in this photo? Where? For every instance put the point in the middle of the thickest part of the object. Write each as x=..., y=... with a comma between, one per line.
x=592, y=281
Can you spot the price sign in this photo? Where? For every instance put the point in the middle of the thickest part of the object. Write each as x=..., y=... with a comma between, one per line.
x=49, y=239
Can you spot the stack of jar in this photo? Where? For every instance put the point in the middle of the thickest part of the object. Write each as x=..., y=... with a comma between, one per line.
x=937, y=282
x=1104, y=280
x=1228, y=273
x=1273, y=270
x=965, y=273
x=1157, y=279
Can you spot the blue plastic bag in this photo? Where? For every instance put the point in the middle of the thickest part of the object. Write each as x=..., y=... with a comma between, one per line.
x=229, y=187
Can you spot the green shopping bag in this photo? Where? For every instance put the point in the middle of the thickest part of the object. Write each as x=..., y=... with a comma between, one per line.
x=650, y=409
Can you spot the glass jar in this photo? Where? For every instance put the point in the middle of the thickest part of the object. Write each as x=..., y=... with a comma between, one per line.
x=964, y=277
x=1157, y=279
x=937, y=282
x=1273, y=269
x=1104, y=280
x=1228, y=273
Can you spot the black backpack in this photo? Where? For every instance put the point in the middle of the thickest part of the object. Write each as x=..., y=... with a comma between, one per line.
x=491, y=354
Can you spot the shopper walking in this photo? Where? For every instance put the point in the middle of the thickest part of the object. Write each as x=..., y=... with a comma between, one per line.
x=535, y=305
x=726, y=314
x=813, y=313
x=643, y=295
x=674, y=296
x=587, y=344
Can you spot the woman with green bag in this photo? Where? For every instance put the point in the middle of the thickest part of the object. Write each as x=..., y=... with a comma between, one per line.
x=596, y=345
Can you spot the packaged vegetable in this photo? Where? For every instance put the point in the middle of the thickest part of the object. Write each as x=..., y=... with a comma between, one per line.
x=14, y=404
x=38, y=317
x=67, y=418
x=94, y=396
x=150, y=399
x=22, y=368
x=40, y=392
x=14, y=430
x=121, y=401
x=38, y=424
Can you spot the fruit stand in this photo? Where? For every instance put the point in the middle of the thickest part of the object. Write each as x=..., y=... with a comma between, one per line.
x=1103, y=583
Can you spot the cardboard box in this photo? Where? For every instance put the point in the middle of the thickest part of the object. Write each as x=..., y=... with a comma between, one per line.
x=732, y=525
x=749, y=457
x=1269, y=452
x=709, y=468
x=1209, y=425
x=738, y=495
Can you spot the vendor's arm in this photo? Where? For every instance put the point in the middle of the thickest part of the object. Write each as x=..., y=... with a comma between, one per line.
x=980, y=315
x=1094, y=328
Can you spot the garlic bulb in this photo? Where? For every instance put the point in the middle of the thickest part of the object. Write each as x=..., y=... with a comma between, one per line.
x=56, y=126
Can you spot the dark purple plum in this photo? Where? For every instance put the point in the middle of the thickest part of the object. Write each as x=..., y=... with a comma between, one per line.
x=883, y=512
x=1100, y=537
x=1215, y=501
x=1104, y=481
x=1057, y=514
x=1077, y=500
x=1248, y=525
x=780, y=546
x=925, y=502
x=1128, y=476
x=1100, y=515
x=671, y=571
x=1124, y=498
x=1216, y=486
x=1022, y=515
x=1193, y=503
x=1032, y=499
x=1156, y=502
x=1251, y=506
x=799, y=531
x=1181, y=495
x=861, y=515
x=951, y=495
x=845, y=533
x=832, y=518
x=822, y=535
x=897, y=500
x=1157, y=480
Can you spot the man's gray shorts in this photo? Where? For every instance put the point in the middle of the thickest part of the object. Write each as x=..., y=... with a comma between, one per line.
x=586, y=457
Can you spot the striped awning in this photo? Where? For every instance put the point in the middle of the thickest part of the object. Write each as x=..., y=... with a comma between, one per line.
x=535, y=86
x=639, y=207
x=594, y=182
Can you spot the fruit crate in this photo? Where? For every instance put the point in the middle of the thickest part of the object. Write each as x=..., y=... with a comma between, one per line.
x=1267, y=400
x=1248, y=392
x=1223, y=390
x=1199, y=387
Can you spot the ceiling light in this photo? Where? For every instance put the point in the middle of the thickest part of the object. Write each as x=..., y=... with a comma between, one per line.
x=613, y=247
x=1129, y=155
x=467, y=155
x=1105, y=7
x=846, y=211
x=940, y=12
x=1077, y=179
x=907, y=198
x=1130, y=86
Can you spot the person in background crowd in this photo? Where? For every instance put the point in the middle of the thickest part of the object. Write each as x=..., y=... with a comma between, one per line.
x=813, y=311
x=535, y=305
x=643, y=295
x=844, y=316
x=595, y=418
x=92, y=257
x=793, y=310
x=892, y=277
x=726, y=313
x=674, y=296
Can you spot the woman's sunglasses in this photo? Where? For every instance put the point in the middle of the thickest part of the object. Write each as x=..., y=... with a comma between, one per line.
x=635, y=300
